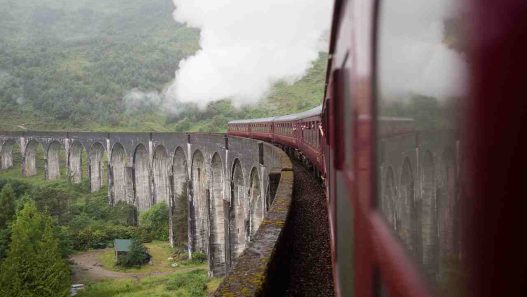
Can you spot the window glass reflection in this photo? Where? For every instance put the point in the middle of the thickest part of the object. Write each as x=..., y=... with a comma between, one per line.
x=421, y=86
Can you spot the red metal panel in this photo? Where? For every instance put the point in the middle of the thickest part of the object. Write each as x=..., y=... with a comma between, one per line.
x=397, y=273
x=497, y=139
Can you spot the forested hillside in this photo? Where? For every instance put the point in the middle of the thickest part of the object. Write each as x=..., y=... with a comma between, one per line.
x=102, y=65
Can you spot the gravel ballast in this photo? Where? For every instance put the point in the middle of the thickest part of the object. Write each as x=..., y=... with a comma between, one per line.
x=310, y=255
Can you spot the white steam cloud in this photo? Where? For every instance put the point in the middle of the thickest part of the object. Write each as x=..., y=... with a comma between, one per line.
x=246, y=46
x=413, y=55
x=137, y=100
x=7, y=81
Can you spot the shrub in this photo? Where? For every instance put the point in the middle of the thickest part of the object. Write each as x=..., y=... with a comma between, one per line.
x=5, y=239
x=180, y=253
x=96, y=206
x=137, y=256
x=192, y=284
x=199, y=258
x=123, y=213
x=55, y=200
x=7, y=206
x=18, y=186
x=154, y=223
x=98, y=235
x=82, y=187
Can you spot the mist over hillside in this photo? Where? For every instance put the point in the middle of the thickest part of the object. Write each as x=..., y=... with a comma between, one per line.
x=104, y=65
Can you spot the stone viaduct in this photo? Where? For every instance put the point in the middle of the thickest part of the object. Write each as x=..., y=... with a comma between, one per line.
x=420, y=193
x=228, y=182
x=239, y=190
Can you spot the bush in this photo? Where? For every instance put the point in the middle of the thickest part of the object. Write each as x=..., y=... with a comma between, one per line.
x=19, y=187
x=82, y=187
x=55, y=200
x=154, y=223
x=180, y=253
x=199, y=258
x=5, y=239
x=136, y=257
x=98, y=235
x=192, y=284
x=124, y=214
x=7, y=206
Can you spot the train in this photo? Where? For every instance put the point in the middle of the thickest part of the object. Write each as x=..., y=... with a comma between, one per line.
x=301, y=132
x=419, y=141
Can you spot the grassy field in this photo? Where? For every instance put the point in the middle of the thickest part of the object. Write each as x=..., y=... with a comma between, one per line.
x=184, y=284
x=160, y=252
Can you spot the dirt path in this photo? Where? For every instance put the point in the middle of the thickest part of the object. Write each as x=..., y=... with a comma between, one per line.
x=88, y=268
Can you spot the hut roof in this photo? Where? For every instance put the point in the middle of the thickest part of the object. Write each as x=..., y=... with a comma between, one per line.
x=122, y=245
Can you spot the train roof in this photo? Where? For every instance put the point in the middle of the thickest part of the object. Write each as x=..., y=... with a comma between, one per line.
x=260, y=120
x=301, y=115
x=290, y=117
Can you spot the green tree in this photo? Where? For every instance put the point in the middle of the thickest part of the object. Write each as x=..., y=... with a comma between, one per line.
x=137, y=256
x=34, y=266
x=5, y=236
x=180, y=218
x=7, y=206
x=124, y=213
x=22, y=201
x=53, y=200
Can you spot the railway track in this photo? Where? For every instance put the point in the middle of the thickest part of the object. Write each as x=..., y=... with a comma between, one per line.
x=310, y=254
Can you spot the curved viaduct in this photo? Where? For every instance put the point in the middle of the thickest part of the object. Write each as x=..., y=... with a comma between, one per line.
x=230, y=185
x=228, y=182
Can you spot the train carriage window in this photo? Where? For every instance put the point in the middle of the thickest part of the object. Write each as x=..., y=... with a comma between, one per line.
x=421, y=85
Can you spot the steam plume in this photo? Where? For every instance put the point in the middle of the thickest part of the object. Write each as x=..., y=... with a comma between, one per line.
x=414, y=57
x=246, y=46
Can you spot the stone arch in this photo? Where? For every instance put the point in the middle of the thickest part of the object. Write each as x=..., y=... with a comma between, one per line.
x=200, y=202
x=119, y=173
x=10, y=153
x=33, y=158
x=273, y=179
x=389, y=197
x=54, y=155
x=161, y=170
x=143, y=199
x=237, y=221
x=446, y=205
x=428, y=214
x=217, y=215
x=96, y=160
x=75, y=162
x=179, y=204
x=256, y=208
x=407, y=209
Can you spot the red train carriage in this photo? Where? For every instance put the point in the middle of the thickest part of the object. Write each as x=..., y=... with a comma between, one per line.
x=285, y=130
x=301, y=132
x=309, y=136
x=421, y=138
x=239, y=128
x=255, y=128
